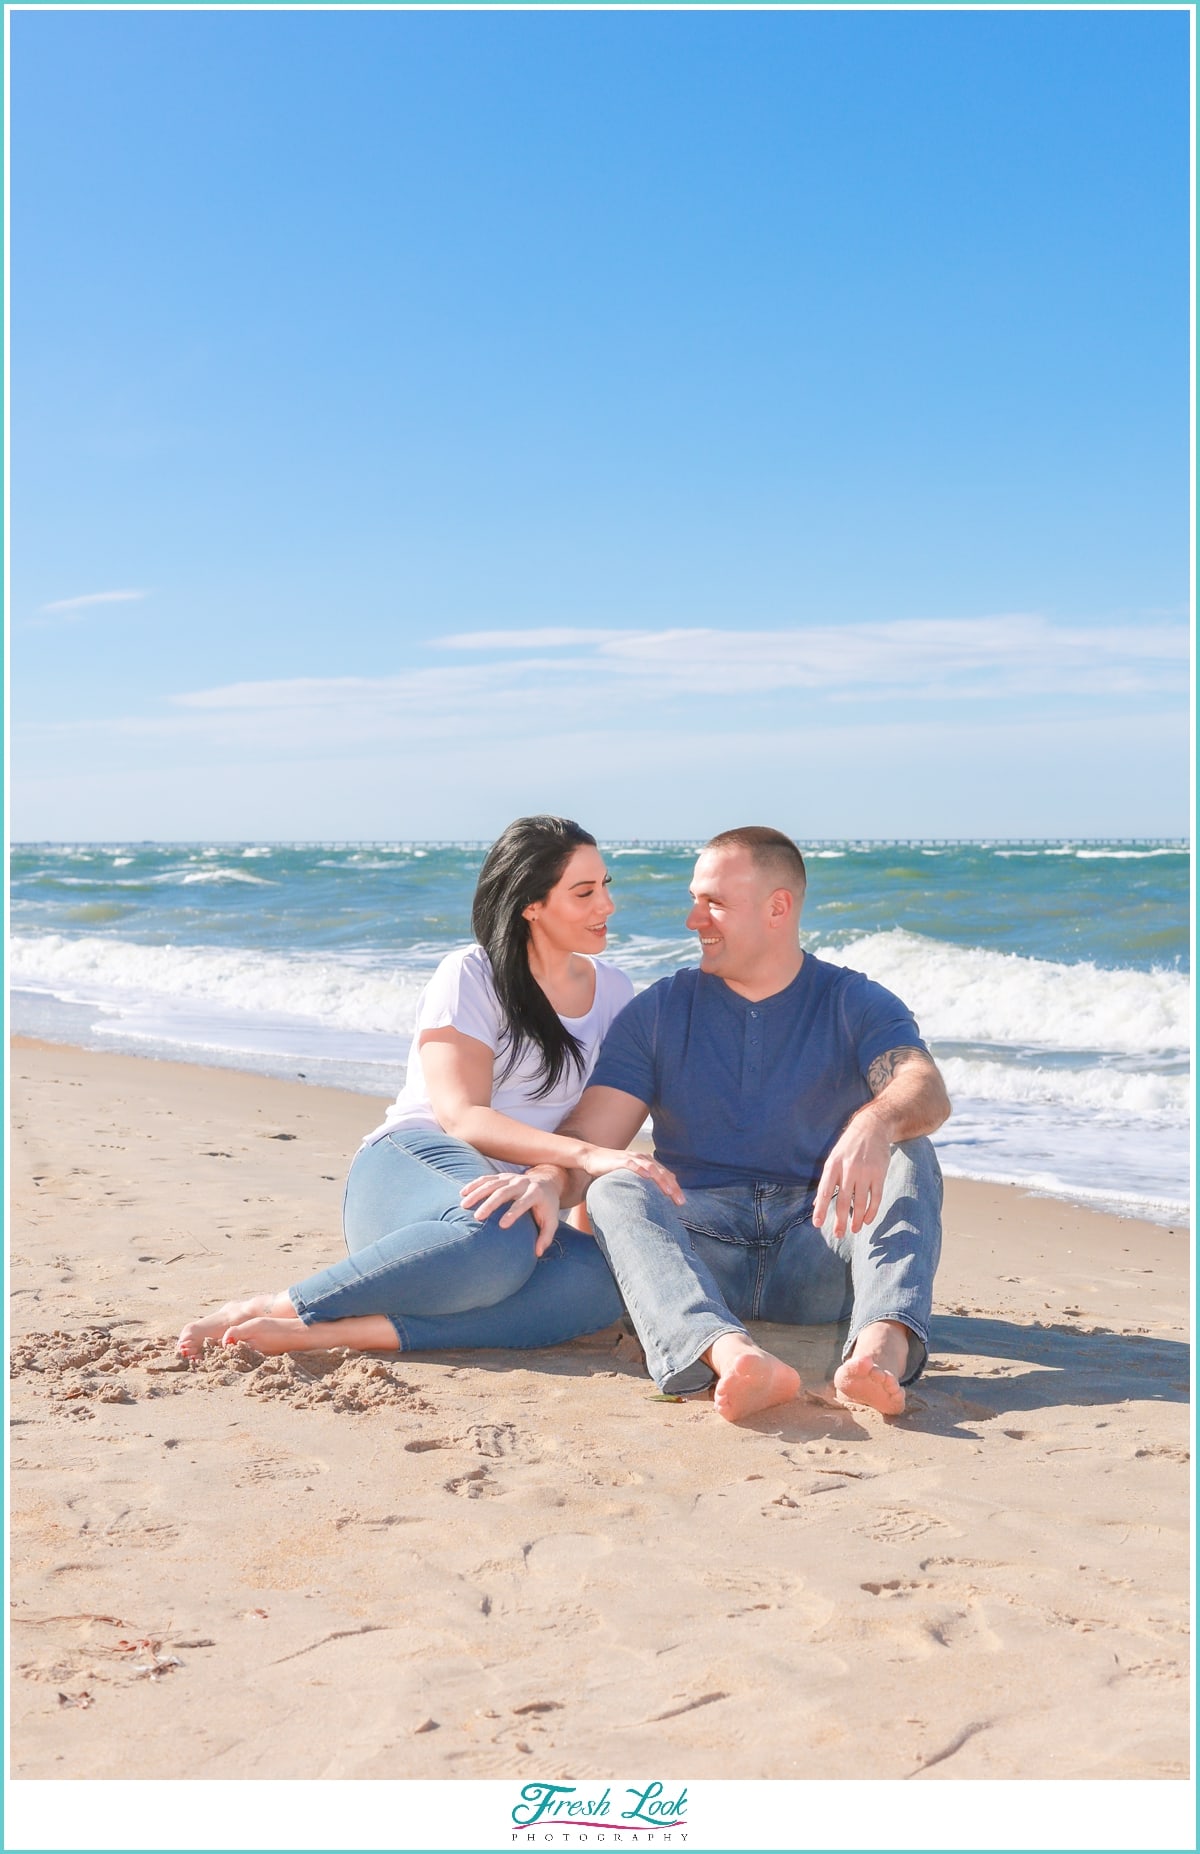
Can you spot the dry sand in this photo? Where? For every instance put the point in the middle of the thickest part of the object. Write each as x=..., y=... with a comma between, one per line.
x=489, y=1565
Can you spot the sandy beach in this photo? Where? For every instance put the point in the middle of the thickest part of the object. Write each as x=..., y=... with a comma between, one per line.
x=472, y=1565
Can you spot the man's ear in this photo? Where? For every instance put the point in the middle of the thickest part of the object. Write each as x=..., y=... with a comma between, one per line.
x=781, y=907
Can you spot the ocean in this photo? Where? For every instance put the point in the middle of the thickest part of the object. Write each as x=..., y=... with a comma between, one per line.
x=1051, y=980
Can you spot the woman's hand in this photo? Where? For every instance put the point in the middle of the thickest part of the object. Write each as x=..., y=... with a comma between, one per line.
x=535, y=1192
x=596, y=1161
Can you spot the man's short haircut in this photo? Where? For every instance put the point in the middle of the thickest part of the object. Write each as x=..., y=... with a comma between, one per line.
x=773, y=854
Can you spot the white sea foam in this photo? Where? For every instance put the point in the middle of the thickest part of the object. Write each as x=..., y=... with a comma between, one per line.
x=358, y=863
x=1139, y=1167
x=963, y=994
x=1126, y=855
x=1107, y=1091
x=959, y=995
x=335, y=991
x=1032, y=1105
x=226, y=875
x=1049, y=1184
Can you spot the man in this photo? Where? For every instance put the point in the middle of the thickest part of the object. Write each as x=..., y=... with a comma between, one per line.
x=790, y=1099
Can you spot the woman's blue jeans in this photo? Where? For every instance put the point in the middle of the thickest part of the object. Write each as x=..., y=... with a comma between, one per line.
x=442, y=1277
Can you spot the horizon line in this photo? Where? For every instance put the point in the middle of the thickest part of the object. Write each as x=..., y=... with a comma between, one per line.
x=1066, y=840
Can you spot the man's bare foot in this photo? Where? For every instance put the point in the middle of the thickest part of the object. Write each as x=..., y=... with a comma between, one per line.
x=871, y=1374
x=214, y=1326
x=748, y=1379
x=369, y=1332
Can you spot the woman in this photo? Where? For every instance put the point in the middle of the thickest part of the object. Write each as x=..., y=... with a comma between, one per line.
x=507, y=1034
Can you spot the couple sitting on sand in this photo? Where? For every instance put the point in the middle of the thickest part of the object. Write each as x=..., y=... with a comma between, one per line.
x=791, y=1178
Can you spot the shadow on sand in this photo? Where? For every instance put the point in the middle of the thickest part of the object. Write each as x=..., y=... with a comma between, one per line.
x=1016, y=1369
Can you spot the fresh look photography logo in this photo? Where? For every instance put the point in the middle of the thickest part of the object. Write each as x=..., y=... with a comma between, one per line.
x=636, y=1815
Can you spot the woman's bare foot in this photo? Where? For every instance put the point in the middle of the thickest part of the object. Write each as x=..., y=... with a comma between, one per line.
x=872, y=1373
x=748, y=1379
x=372, y=1332
x=271, y=1334
x=214, y=1326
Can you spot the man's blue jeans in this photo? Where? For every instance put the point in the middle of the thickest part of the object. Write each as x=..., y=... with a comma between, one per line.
x=442, y=1277
x=751, y=1252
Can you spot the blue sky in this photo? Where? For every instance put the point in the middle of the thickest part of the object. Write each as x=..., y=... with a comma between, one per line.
x=671, y=418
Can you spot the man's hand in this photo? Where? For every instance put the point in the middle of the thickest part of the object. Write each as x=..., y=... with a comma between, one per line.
x=855, y=1171
x=537, y=1191
x=910, y=1102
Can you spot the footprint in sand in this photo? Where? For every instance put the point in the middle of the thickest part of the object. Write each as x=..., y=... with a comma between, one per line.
x=473, y=1485
x=377, y=1522
x=109, y=1516
x=565, y=1551
x=278, y=1468
x=494, y=1439
x=895, y=1527
x=965, y=1564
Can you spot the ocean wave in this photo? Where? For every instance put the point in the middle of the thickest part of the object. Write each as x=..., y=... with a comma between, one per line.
x=225, y=875
x=1143, y=1205
x=1016, y=1005
x=1105, y=1091
x=341, y=993
x=1125, y=855
x=964, y=994
x=355, y=863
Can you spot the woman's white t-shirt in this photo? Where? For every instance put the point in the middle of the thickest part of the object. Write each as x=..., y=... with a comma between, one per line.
x=461, y=996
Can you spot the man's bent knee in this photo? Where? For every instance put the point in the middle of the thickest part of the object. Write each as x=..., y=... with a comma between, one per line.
x=920, y=1154
x=618, y=1189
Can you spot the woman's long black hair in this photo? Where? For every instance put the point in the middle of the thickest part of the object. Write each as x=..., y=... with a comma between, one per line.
x=522, y=867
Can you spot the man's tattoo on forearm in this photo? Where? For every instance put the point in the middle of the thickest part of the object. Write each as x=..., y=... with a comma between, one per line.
x=884, y=1067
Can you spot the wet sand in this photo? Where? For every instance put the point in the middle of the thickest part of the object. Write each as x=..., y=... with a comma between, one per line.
x=469, y=1565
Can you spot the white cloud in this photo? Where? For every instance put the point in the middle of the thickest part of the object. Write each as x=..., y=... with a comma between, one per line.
x=519, y=678
x=550, y=637
x=675, y=685
x=74, y=608
x=936, y=659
